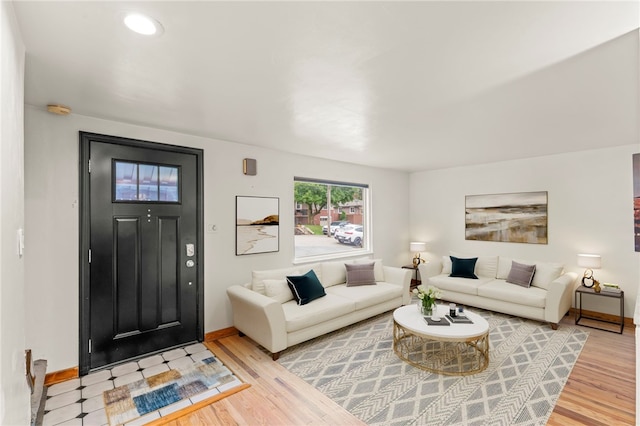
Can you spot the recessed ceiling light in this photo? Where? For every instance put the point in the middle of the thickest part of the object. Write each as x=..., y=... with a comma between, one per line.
x=142, y=24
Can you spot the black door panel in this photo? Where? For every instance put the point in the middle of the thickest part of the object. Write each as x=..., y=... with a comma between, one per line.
x=143, y=294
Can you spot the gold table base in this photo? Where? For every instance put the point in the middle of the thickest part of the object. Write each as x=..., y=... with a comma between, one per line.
x=451, y=357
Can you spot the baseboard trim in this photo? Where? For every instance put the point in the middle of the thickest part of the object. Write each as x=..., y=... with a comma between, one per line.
x=628, y=321
x=219, y=334
x=60, y=376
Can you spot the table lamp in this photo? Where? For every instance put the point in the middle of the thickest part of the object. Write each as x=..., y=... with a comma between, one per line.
x=591, y=262
x=416, y=247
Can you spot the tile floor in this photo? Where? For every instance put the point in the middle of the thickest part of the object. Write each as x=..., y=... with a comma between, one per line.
x=79, y=402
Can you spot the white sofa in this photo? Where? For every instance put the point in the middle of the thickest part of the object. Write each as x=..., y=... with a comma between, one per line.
x=270, y=318
x=547, y=299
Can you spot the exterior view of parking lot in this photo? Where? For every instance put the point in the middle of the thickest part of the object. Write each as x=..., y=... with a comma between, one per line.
x=313, y=245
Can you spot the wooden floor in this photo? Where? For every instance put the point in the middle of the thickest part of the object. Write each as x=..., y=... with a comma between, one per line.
x=600, y=389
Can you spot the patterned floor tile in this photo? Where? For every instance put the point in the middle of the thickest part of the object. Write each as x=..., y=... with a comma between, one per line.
x=93, y=378
x=63, y=387
x=174, y=354
x=150, y=361
x=62, y=414
x=129, y=378
x=62, y=399
x=124, y=369
x=195, y=348
x=156, y=369
x=96, y=389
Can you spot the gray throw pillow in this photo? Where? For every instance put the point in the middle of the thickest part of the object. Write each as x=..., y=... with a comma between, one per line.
x=360, y=274
x=521, y=274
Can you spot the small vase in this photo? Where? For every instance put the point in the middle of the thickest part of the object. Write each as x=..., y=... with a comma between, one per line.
x=426, y=309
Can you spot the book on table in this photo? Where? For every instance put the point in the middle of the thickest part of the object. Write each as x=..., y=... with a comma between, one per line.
x=611, y=288
x=430, y=321
x=459, y=319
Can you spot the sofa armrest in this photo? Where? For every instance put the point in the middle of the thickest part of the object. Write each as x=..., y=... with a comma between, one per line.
x=559, y=297
x=430, y=269
x=259, y=317
x=401, y=277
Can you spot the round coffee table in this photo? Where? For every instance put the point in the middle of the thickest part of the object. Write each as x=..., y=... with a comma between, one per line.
x=454, y=350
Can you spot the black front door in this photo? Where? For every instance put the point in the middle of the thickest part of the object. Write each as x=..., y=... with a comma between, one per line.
x=142, y=280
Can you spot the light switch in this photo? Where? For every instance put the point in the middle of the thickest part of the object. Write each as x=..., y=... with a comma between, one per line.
x=20, y=242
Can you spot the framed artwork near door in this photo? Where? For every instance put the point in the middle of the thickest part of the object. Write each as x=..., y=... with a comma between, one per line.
x=257, y=225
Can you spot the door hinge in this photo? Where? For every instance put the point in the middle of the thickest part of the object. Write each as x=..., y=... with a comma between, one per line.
x=89, y=345
x=89, y=255
x=89, y=166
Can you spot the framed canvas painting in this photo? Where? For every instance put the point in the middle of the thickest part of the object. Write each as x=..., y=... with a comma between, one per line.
x=519, y=217
x=257, y=225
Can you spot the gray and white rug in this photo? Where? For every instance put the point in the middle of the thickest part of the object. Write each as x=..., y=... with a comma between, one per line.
x=357, y=368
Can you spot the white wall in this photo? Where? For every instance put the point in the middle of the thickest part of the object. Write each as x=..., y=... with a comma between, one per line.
x=590, y=202
x=51, y=197
x=14, y=394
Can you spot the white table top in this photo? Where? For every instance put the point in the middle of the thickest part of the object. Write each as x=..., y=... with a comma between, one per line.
x=410, y=318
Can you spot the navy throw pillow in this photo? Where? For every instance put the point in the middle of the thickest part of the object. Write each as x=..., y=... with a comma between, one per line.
x=463, y=268
x=306, y=288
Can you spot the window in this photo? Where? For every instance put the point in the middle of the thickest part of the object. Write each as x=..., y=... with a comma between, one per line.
x=135, y=182
x=335, y=223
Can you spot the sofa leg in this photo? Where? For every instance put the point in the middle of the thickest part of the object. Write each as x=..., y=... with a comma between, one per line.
x=554, y=326
x=275, y=355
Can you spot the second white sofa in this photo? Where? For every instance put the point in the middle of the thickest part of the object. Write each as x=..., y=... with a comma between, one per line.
x=547, y=298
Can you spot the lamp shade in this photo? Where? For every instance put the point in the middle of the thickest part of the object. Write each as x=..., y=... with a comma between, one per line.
x=416, y=246
x=591, y=261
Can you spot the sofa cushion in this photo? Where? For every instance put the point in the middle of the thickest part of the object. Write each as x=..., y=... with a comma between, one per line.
x=257, y=277
x=459, y=285
x=521, y=274
x=486, y=266
x=545, y=274
x=305, y=288
x=358, y=275
x=463, y=268
x=378, y=268
x=366, y=296
x=501, y=290
x=278, y=290
x=333, y=273
x=324, y=309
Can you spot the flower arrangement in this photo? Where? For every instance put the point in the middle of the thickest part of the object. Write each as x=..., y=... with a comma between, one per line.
x=427, y=298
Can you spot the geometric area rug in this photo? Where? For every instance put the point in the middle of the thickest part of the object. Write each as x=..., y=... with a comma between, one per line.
x=357, y=368
x=184, y=381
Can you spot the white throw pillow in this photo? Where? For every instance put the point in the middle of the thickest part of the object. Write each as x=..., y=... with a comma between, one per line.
x=278, y=290
x=446, y=265
x=333, y=273
x=504, y=267
x=258, y=277
x=545, y=273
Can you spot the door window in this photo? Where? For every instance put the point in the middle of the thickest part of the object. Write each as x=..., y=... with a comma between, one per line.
x=144, y=182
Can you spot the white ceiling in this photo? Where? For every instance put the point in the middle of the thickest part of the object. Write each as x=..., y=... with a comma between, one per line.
x=401, y=85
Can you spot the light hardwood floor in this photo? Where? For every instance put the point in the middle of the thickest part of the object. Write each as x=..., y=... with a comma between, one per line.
x=600, y=389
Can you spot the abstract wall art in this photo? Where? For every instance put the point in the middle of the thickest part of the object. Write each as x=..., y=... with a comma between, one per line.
x=519, y=217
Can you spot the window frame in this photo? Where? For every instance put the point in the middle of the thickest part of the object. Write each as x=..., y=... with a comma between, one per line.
x=367, y=243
